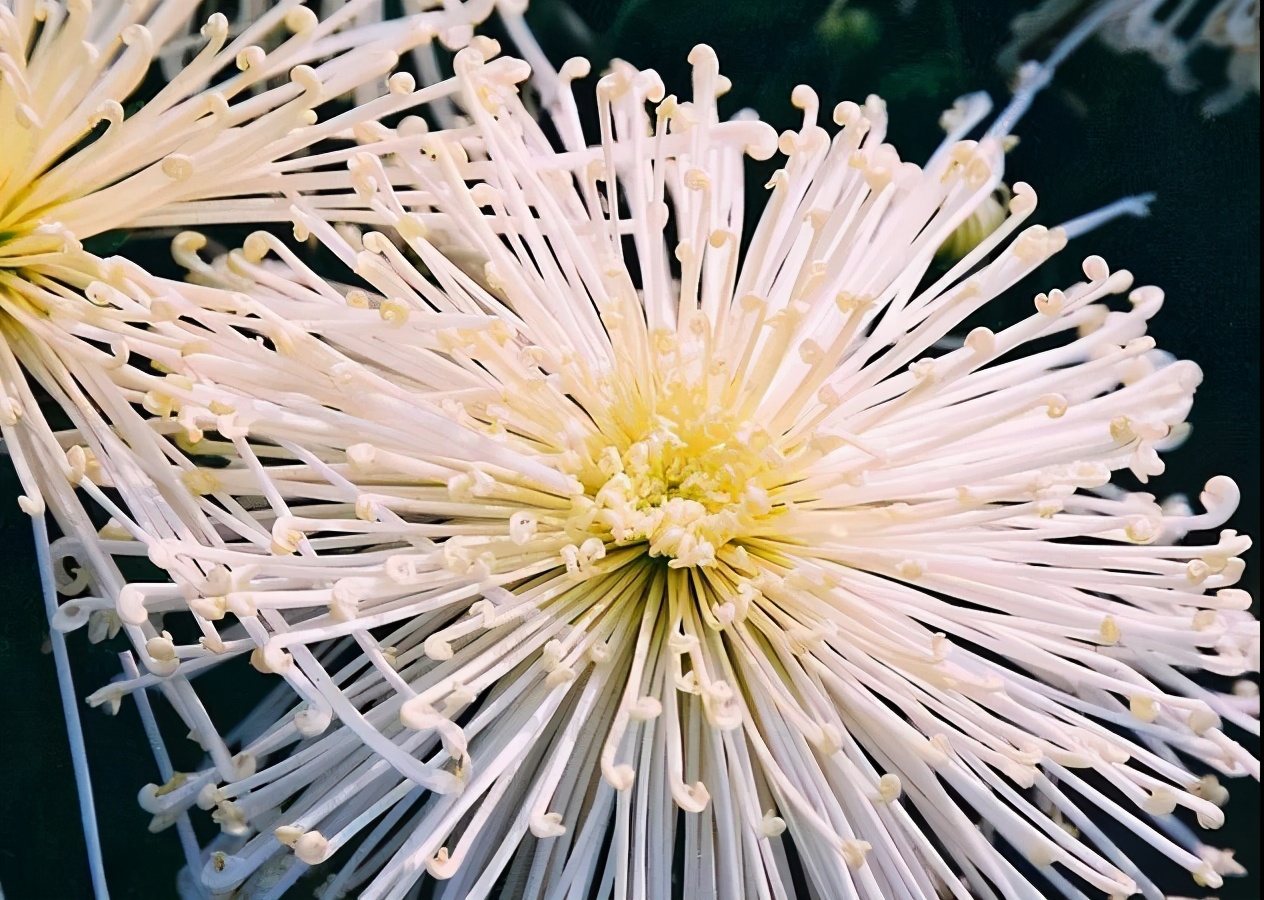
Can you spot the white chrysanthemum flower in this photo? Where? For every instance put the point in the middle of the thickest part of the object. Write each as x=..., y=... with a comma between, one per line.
x=222, y=140
x=611, y=556
x=1169, y=34
x=227, y=136
x=121, y=114
x=232, y=128
x=230, y=136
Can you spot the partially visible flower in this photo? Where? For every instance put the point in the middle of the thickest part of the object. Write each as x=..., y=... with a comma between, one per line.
x=616, y=517
x=1170, y=34
x=232, y=132
x=128, y=114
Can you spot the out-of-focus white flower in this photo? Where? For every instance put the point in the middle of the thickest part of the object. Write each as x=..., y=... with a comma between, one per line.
x=1170, y=34
x=615, y=552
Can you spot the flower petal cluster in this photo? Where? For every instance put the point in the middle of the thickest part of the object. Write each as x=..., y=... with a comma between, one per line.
x=606, y=548
x=232, y=120
x=1171, y=35
x=95, y=140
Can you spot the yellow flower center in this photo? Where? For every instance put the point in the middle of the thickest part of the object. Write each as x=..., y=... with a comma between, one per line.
x=686, y=489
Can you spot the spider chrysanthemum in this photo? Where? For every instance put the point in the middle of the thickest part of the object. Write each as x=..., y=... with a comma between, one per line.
x=613, y=554
x=138, y=114
x=120, y=114
x=124, y=114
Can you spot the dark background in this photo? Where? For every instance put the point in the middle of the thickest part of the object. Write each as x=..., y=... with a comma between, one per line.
x=1108, y=127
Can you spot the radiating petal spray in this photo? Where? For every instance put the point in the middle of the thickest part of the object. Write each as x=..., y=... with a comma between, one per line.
x=232, y=134
x=224, y=140
x=610, y=554
x=119, y=115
